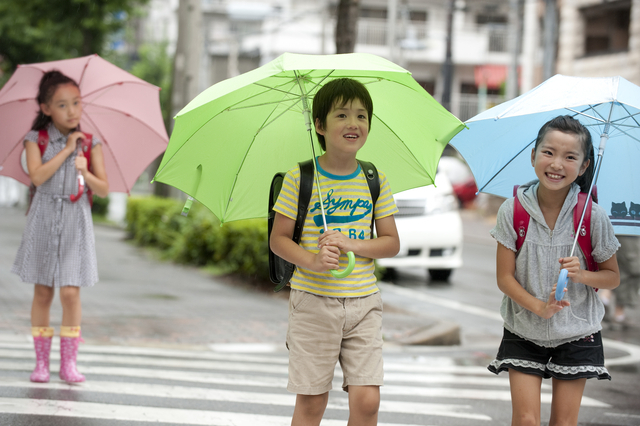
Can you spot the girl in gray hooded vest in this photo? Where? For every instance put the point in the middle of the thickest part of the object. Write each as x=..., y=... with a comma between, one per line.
x=545, y=338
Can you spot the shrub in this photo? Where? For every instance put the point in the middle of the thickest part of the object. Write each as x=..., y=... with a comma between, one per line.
x=100, y=206
x=198, y=239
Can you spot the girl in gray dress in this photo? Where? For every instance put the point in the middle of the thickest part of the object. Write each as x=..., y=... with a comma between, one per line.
x=58, y=246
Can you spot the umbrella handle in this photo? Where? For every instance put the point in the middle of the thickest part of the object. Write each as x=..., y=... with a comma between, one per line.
x=562, y=284
x=76, y=197
x=346, y=271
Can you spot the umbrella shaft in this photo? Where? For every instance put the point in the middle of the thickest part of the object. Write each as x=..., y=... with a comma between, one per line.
x=603, y=143
x=307, y=120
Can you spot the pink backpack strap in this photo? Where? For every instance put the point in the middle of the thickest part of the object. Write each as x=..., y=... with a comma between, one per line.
x=584, y=233
x=87, y=143
x=520, y=219
x=43, y=140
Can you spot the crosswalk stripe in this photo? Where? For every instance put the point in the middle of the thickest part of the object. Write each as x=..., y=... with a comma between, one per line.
x=273, y=369
x=93, y=410
x=156, y=352
x=337, y=400
x=175, y=375
x=158, y=362
x=405, y=376
x=459, y=393
x=225, y=379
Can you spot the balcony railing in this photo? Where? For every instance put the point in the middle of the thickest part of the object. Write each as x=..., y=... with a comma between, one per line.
x=469, y=103
x=374, y=31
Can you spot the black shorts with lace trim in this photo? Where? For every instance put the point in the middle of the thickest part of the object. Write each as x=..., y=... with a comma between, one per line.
x=582, y=358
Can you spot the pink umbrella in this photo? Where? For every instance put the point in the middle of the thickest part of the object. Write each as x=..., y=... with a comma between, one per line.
x=120, y=109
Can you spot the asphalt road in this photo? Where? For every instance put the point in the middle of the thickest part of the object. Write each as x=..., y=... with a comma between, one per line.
x=174, y=345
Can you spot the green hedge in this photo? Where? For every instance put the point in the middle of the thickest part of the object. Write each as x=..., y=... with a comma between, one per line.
x=198, y=239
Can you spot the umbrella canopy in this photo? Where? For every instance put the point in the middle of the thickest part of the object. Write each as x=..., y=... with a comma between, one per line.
x=497, y=146
x=232, y=138
x=118, y=108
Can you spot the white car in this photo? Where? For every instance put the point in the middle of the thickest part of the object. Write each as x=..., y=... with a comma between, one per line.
x=430, y=230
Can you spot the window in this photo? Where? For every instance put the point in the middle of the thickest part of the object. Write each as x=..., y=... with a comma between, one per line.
x=607, y=27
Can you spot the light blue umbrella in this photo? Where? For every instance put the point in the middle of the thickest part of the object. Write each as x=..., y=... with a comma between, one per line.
x=497, y=145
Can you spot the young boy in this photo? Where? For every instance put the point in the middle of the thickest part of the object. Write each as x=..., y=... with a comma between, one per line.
x=332, y=319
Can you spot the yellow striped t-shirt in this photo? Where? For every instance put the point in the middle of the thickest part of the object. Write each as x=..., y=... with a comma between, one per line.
x=348, y=208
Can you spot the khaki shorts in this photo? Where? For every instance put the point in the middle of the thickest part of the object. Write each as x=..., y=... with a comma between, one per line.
x=325, y=330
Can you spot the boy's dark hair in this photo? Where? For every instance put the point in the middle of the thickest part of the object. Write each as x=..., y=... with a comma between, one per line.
x=568, y=124
x=341, y=90
x=48, y=85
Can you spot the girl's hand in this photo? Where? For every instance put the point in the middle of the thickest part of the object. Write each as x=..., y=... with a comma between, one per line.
x=335, y=239
x=72, y=141
x=81, y=164
x=552, y=306
x=326, y=259
x=572, y=265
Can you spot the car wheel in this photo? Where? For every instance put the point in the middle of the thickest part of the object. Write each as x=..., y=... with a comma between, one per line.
x=439, y=274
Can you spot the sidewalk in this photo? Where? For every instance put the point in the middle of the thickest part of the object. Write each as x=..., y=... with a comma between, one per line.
x=141, y=300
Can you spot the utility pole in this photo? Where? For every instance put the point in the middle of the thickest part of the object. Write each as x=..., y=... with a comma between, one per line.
x=514, y=45
x=346, y=26
x=186, y=64
x=550, y=37
x=186, y=67
x=447, y=67
x=392, y=17
x=530, y=44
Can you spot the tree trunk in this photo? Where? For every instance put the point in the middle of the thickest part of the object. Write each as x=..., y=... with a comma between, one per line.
x=346, y=29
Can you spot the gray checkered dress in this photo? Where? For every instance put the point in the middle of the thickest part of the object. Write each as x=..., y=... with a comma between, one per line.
x=58, y=245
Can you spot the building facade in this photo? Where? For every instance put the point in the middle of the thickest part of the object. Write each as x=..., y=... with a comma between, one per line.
x=240, y=35
x=600, y=38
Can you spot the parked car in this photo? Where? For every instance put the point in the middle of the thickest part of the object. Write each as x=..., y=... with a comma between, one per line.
x=461, y=178
x=430, y=230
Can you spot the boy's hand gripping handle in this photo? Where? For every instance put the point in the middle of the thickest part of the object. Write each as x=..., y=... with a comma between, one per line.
x=346, y=271
x=76, y=197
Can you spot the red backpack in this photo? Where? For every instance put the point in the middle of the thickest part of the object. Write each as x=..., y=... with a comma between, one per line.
x=521, y=224
x=43, y=141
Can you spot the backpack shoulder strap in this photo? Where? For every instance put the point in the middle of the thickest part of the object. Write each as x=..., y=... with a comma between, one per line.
x=304, y=196
x=373, y=180
x=87, y=143
x=520, y=219
x=584, y=233
x=43, y=140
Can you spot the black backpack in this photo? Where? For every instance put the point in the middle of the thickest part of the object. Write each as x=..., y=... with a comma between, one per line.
x=281, y=271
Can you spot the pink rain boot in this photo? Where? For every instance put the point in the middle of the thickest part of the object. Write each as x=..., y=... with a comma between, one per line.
x=42, y=344
x=69, y=340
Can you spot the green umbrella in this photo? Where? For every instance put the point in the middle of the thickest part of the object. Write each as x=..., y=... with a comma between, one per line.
x=232, y=138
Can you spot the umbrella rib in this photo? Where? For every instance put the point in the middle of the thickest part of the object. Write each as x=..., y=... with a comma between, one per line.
x=403, y=143
x=84, y=69
x=627, y=134
x=265, y=123
x=631, y=116
x=602, y=119
x=129, y=115
x=260, y=104
x=105, y=144
x=117, y=83
x=200, y=127
x=506, y=164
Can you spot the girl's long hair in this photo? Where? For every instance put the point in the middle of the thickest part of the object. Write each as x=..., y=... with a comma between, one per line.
x=48, y=85
x=568, y=124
